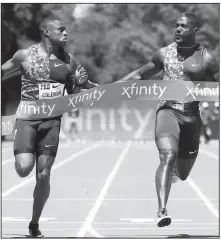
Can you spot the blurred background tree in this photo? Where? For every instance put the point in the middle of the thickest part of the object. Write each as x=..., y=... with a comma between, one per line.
x=109, y=40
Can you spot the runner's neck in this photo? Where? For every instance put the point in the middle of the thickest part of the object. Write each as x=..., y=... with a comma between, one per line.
x=49, y=48
x=186, y=51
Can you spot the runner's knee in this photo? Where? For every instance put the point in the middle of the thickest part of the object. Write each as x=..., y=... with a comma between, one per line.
x=44, y=166
x=22, y=170
x=24, y=164
x=168, y=157
x=44, y=175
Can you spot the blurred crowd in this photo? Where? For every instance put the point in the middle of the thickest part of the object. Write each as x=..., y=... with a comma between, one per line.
x=209, y=112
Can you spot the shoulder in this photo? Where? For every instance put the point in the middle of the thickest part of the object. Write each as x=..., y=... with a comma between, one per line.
x=160, y=53
x=209, y=60
x=21, y=54
x=158, y=57
x=208, y=57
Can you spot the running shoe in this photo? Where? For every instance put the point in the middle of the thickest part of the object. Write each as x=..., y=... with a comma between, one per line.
x=163, y=219
x=34, y=231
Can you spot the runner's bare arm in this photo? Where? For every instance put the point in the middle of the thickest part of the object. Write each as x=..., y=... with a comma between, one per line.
x=211, y=66
x=155, y=66
x=14, y=63
x=148, y=70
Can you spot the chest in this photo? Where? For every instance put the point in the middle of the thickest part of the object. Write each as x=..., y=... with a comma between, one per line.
x=194, y=67
x=190, y=68
x=38, y=68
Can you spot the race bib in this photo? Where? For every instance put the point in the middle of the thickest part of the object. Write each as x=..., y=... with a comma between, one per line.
x=50, y=90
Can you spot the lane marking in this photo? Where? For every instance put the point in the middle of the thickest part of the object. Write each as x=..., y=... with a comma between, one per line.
x=198, y=191
x=207, y=202
x=13, y=159
x=75, y=229
x=209, y=154
x=121, y=223
x=109, y=199
x=6, y=149
x=151, y=220
x=93, y=232
x=103, y=193
x=24, y=219
x=56, y=166
x=166, y=229
x=100, y=199
x=8, y=161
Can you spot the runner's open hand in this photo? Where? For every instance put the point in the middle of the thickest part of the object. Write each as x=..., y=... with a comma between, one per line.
x=81, y=75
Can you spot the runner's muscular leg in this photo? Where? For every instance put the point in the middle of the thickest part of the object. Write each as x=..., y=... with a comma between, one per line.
x=184, y=166
x=168, y=150
x=48, y=140
x=167, y=141
x=24, y=163
x=24, y=148
x=188, y=147
x=42, y=188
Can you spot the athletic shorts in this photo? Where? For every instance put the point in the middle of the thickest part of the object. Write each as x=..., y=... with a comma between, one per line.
x=183, y=126
x=40, y=137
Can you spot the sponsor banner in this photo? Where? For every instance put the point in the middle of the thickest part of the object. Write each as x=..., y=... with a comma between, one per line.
x=105, y=95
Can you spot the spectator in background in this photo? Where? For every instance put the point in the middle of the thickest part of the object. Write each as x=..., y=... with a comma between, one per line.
x=215, y=113
x=205, y=116
x=69, y=125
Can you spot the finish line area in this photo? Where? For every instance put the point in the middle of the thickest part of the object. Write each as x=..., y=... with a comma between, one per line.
x=103, y=189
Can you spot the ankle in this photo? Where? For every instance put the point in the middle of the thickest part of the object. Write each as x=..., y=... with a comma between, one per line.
x=33, y=224
x=162, y=210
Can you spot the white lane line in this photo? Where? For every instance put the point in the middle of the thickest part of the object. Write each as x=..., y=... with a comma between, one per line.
x=165, y=229
x=130, y=228
x=93, y=232
x=207, y=202
x=208, y=153
x=103, y=192
x=198, y=191
x=6, y=149
x=24, y=219
x=150, y=220
x=8, y=161
x=60, y=164
x=100, y=199
x=109, y=199
x=13, y=159
x=50, y=222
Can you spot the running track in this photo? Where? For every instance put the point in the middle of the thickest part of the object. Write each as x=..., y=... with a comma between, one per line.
x=108, y=190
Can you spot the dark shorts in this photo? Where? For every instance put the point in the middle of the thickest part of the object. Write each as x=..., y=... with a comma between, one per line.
x=40, y=137
x=183, y=126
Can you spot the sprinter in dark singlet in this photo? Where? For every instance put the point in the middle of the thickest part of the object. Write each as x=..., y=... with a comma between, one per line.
x=47, y=69
x=177, y=127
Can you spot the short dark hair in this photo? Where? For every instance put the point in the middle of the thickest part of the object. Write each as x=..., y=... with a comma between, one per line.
x=45, y=21
x=192, y=17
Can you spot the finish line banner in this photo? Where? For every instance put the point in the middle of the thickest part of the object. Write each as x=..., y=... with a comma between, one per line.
x=121, y=91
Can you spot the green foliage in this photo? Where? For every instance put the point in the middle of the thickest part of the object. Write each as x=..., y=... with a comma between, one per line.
x=112, y=39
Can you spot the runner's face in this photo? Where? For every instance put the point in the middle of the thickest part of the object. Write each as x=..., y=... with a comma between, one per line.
x=184, y=30
x=57, y=33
